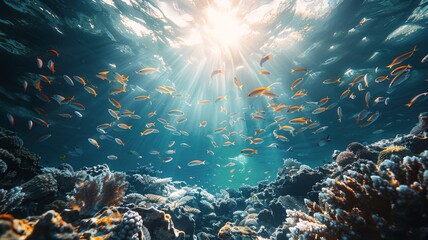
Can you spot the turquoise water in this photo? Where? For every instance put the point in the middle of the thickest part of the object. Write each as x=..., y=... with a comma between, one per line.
x=186, y=41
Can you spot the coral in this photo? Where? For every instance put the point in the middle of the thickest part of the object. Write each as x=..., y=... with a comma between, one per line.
x=344, y=158
x=103, y=225
x=131, y=226
x=3, y=167
x=51, y=227
x=65, y=177
x=295, y=184
x=228, y=231
x=247, y=190
x=360, y=151
x=96, y=170
x=291, y=163
x=134, y=198
x=388, y=201
x=225, y=207
x=422, y=126
x=400, y=151
x=41, y=187
x=14, y=229
x=147, y=184
x=107, y=189
x=11, y=199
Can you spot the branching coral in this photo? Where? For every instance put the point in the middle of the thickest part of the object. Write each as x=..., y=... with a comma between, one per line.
x=107, y=189
x=372, y=202
x=10, y=199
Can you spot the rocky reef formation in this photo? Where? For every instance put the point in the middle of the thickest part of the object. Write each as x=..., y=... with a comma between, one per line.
x=375, y=191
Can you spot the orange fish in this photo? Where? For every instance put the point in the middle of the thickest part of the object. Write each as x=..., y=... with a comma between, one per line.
x=237, y=83
x=401, y=58
x=299, y=70
x=258, y=91
x=296, y=83
x=265, y=58
x=45, y=79
x=53, y=52
x=264, y=72
x=300, y=120
x=416, y=98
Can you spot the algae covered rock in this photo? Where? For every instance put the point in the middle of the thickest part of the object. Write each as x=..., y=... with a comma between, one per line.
x=400, y=151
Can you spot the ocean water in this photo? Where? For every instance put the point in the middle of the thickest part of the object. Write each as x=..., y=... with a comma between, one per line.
x=186, y=42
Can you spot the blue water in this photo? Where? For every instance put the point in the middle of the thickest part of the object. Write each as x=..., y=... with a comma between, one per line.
x=187, y=41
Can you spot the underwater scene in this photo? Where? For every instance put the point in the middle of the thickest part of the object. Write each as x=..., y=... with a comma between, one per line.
x=213, y=119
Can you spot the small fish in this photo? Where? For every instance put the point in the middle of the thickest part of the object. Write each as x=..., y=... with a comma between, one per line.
x=249, y=151
x=313, y=125
x=217, y=71
x=357, y=79
x=300, y=120
x=398, y=76
x=154, y=152
x=324, y=141
x=352, y=96
x=258, y=91
x=379, y=99
x=296, y=83
x=163, y=121
x=80, y=80
x=319, y=130
x=220, y=98
x=139, y=98
x=181, y=120
x=93, y=142
x=51, y=66
x=264, y=72
x=294, y=70
x=65, y=115
x=371, y=119
x=25, y=85
x=115, y=103
x=30, y=124
x=124, y=126
x=68, y=80
x=185, y=145
x=175, y=112
x=43, y=138
x=151, y=114
x=195, y=163
x=401, y=58
x=221, y=129
x=367, y=99
x=323, y=101
x=345, y=93
x=116, y=91
x=39, y=62
x=319, y=110
x=112, y=157
x=203, y=124
x=416, y=98
x=148, y=70
x=90, y=90
x=265, y=58
x=113, y=113
x=295, y=108
x=53, y=52
x=170, y=128
x=203, y=101
x=331, y=81
x=41, y=121
x=210, y=152
x=339, y=114
x=149, y=131
x=256, y=141
x=362, y=115
x=11, y=119
x=287, y=128
x=167, y=159
x=273, y=145
x=400, y=69
x=299, y=94
x=424, y=59
x=365, y=79
x=119, y=141
x=237, y=83
x=381, y=79
x=77, y=106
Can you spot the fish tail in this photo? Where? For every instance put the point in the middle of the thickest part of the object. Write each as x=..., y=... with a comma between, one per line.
x=255, y=151
x=240, y=87
x=251, y=141
x=390, y=66
x=414, y=49
x=338, y=80
x=408, y=104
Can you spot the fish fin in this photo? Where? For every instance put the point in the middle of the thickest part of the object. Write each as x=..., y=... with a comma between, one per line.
x=408, y=104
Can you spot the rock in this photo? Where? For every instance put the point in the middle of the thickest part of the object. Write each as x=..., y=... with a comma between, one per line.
x=206, y=207
x=265, y=216
x=247, y=190
x=11, y=142
x=361, y=152
x=346, y=157
x=52, y=227
x=278, y=212
x=41, y=187
x=3, y=167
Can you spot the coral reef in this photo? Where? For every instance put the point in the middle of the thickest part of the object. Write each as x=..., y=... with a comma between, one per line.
x=10, y=200
x=229, y=231
x=106, y=189
x=400, y=151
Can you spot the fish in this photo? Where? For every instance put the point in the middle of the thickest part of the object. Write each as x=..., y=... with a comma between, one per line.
x=295, y=108
x=175, y=112
x=270, y=95
x=203, y=101
x=286, y=128
x=214, y=144
x=115, y=91
x=394, y=80
x=181, y=120
x=280, y=107
x=323, y=101
x=90, y=90
x=400, y=69
x=319, y=110
x=210, y=152
x=294, y=70
x=115, y=103
x=256, y=141
x=25, y=85
x=345, y=93
x=216, y=72
x=381, y=79
x=365, y=79
x=171, y=143
x=371, y=119
x=45, y=98
x=51, y=66
x=357, y=79
x=324, y=141
x=258, y=131
x=65, y=115
x=43, y=138
x=67, y=100
x=258, y=91
x=167, y=159
x=300, y=120
x=228, y=143
x=41, y=122
x=401, y=58
x=265, y=58
x=163, y=121
x=331, y=81
x=77, y=106
x=299, y=94
x=78, y=114
x=148, y=131
x=170, y=128
x=113, y=113
x=362, y=115
x=339, y=114
x=256, y=116
x=203, y=124
x=264, y=72
x=68, y=80
x=124, y=126
x=249, y=151
x=148, y=70
x=237, y=83
x=45, y=79
x=11, y=119
x=195, y=163
x=154, y=152
x=112, y=157
x=367, y=99
x=119, y=141
x=80, y=80
x=424, y=59
x=30, y=124
x=273, y=145
x=413, y=100
x=313, y=125
x=221, y=129
x=352, y=96
x=319, y=130
x=143, y=97
x=93, y=142
x=151, y=114
x=53, y=52
x=39, y=62
x=296, y=83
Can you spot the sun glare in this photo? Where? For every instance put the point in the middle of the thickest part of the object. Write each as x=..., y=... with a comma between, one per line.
x=223, y=28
